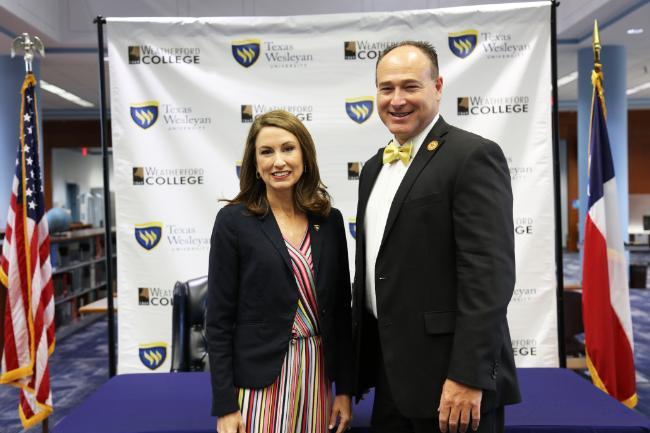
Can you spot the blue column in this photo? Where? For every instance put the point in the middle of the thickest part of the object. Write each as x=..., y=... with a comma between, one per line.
x=12, y=74
x=613, y=59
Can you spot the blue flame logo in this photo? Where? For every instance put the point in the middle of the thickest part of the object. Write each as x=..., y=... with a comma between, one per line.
x=246, y=52
x=145, y=114
x=352, y=225
x=148, y=235
x=462, y=44
x=360, y=109
x=153, y=355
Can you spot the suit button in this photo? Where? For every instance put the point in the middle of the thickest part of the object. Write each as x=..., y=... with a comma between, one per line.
x=323, y=311
x=383, y=278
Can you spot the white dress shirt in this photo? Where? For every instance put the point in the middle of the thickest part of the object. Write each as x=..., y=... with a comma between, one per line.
x=388, y=181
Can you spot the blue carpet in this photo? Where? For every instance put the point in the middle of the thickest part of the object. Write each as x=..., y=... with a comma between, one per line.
x=79, y=363
x=78, y=366
x=640, y=306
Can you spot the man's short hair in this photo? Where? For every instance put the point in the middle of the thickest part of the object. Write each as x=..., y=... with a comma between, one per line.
x=423, y=46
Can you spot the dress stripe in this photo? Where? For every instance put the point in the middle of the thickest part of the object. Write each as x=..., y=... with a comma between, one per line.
x=300, y=399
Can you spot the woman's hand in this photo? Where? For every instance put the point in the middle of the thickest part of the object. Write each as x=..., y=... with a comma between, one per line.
x=342, y=409
x=231, y=423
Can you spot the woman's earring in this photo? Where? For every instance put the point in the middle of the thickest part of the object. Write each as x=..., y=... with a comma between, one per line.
x=257, y=175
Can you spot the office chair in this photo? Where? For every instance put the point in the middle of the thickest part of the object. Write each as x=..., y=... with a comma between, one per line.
x=189, y=343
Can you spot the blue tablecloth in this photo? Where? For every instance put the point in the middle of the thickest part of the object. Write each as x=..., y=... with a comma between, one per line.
x=554, y=400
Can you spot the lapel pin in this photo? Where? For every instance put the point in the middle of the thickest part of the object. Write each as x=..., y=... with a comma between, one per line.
x=316, y=227
x=433, y=145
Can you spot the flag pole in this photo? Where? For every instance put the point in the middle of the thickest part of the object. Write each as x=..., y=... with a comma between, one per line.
x=108, y=236
x=559, y=266
x=30, y=45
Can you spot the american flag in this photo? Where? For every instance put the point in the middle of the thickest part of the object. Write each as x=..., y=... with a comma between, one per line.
x=26, y=272
x=605, y=298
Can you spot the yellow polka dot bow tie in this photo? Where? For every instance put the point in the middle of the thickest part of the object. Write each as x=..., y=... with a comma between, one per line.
x=393, y=152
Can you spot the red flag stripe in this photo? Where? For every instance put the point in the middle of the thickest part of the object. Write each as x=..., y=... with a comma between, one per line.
x=607, y=344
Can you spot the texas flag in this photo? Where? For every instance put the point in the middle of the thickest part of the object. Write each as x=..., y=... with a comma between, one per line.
x=605, y=297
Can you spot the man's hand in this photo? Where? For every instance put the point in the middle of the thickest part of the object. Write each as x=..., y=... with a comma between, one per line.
x=342, y=409
x=459, y=401
x=231, y=423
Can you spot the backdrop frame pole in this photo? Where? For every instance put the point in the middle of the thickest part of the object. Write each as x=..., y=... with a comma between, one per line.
x=108, y=235
x=559, y=266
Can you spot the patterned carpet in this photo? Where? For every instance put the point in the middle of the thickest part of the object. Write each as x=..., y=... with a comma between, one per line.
x=79, y=364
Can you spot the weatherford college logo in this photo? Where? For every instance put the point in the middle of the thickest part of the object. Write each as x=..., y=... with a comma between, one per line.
x=462, y=44
x=150, y=55
x=364, y=50
x=352, y=226
x=148, y=235
x=153, y=355
x=159, y=176
x=155, y=297
x=304, y=113
x=524, y=347
x=524, y=225
x=246, y=52
x=354, y=169
x=134, y=55
x=488, y=105
x=246, y=114
x=145, y=114
x=143, y=296
x=360, y=109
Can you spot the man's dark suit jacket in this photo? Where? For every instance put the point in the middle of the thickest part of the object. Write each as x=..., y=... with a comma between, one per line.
x=445, y=274
x=253, y=298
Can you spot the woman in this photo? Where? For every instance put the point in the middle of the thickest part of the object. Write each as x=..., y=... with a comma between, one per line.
x=278, y=315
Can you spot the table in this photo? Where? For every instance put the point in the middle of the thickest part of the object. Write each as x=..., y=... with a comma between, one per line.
x=555, y=400
x=98, y=306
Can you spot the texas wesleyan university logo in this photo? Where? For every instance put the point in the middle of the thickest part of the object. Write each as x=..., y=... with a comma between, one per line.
x=238, y=169
x=246, y=52
x=145, y=114
x=153, y=355
x=148, y=235
x=360, y=109
x=352, y=225
x=462, y=44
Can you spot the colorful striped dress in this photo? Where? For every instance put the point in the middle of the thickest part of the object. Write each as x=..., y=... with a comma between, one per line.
x=300, y=399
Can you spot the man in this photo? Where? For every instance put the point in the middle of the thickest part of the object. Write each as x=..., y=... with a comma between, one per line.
x=435, y=266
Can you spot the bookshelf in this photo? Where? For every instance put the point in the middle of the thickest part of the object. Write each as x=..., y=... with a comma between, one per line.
x=78, y=275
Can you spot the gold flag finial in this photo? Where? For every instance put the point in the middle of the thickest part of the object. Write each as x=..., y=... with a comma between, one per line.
x=596, y=45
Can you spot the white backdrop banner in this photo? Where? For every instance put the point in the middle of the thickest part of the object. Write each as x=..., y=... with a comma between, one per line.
x=183, y=94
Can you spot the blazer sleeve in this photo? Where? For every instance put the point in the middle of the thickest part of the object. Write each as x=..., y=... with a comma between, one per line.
x=485, y=264
x=343, y=317
x=221, y=311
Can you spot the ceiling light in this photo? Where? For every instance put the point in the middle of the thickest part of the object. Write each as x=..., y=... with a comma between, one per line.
x=570, y=78
x=65, y=94
x=638, y=88
x=634, y=31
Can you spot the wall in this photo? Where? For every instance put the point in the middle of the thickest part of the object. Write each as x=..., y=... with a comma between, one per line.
x=70, y=166
x=638, y=168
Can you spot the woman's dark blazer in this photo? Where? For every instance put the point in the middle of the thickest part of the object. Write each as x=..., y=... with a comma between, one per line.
x=253, y=297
